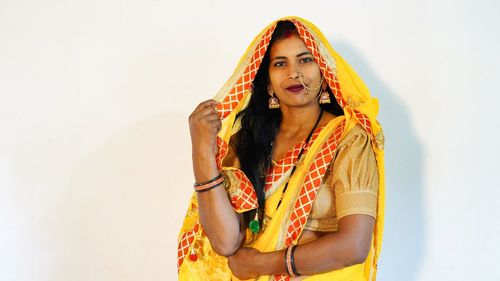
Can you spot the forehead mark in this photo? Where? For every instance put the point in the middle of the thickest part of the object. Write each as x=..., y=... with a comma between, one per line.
x=288, y=33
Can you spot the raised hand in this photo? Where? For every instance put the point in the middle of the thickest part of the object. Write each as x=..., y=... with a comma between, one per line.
x=204, y=124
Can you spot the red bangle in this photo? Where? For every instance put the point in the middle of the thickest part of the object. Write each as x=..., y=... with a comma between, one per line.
x=213, y=183
x=209, y=181
x=208, y=188
x=288, y=262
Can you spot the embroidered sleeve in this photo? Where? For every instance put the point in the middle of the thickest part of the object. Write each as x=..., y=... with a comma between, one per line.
x=239, y=188
x=355, y=175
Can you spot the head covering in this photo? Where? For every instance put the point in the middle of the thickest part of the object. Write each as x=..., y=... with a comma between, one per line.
x=359, y=108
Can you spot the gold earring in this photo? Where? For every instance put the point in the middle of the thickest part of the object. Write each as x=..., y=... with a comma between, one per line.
x=274, y=103
x=324, y=97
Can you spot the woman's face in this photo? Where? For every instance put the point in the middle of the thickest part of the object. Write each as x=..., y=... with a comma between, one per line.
x=291, y=66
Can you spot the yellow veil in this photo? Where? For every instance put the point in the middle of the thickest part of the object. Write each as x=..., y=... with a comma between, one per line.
x=196, y=260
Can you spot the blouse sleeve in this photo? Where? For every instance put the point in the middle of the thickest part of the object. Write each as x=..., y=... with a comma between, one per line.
x=355, y=175
x=238, y=187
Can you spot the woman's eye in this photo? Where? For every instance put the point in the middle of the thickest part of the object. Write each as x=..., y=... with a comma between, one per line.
x=279, y=64
x=306, y=60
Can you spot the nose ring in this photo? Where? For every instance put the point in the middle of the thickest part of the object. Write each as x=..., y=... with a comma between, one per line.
x=299, y=75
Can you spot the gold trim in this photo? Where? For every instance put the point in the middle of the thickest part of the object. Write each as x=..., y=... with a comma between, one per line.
x=379, y=140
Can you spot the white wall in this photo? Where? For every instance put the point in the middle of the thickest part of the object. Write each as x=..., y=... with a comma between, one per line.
x=94, y=144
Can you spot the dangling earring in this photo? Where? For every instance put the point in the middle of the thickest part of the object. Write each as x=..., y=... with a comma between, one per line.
x=324, y=97
x=273, y=100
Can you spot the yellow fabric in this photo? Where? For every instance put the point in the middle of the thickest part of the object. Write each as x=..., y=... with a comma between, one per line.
x=359, y=108
x=209, y=265
x=272, y=237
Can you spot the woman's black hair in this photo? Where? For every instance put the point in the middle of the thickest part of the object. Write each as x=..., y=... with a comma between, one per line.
x=259, y=126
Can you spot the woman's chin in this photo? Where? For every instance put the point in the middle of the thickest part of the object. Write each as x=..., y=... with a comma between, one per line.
x=300, y=103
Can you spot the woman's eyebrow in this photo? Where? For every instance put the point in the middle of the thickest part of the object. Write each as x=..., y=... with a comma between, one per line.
x=278, y=58
x=299, y=55
x=304, y=53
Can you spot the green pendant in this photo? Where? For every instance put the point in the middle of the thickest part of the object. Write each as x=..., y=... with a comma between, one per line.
x=254, y=226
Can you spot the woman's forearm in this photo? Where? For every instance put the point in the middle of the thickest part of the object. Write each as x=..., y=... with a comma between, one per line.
x=330, y=252
x=311, y=258
x=220, y=222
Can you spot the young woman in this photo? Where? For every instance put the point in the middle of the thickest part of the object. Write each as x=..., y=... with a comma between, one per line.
x=288, y=164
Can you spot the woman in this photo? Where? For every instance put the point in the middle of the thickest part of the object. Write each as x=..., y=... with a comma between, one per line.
x=288, y=164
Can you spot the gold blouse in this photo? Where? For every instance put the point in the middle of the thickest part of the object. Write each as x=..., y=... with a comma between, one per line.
x=350, y=184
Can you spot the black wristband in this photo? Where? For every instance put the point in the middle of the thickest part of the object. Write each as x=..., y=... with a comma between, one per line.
x=292, y=261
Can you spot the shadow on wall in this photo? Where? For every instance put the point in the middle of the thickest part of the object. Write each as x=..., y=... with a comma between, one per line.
x=404, y=235
x=125, y=203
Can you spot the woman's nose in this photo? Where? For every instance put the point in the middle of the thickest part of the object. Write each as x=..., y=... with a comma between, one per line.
x=294, y=74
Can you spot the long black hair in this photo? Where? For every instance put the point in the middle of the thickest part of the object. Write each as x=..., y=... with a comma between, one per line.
x=259, y=126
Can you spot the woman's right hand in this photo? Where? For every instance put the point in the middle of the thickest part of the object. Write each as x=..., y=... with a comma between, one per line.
x=204, y=124
x=219, y=220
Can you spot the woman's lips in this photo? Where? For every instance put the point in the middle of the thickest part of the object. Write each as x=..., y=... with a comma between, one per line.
x=295, y=88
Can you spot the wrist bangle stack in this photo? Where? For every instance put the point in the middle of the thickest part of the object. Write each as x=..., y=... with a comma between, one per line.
x=290, y=261
x=209, y=185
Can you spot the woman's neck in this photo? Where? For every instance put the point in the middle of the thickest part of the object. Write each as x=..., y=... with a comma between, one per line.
x=298, y=120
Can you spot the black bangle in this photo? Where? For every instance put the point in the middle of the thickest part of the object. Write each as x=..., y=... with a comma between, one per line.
x=292, y=261
x=209, y=181
x=210, y=188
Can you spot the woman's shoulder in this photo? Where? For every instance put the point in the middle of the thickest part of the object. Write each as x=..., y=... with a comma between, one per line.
x=356, y=145
x=357, y=131
x=356, y=136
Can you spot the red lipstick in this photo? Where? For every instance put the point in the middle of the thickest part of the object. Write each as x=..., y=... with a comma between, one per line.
x=295, y=88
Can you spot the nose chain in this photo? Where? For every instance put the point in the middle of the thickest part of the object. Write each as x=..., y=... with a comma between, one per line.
x=307, y=88
x=299, y=156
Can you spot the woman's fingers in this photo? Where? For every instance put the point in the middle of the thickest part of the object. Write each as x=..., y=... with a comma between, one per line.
x=211, y=117
x=207, y=111
x=206, y=104
x=211, y=120
x=215, y=124
x=205, y=116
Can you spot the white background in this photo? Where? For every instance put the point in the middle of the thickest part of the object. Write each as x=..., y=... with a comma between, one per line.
x=95, y=170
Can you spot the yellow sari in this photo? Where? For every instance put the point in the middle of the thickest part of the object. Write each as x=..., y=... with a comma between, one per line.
x=196, y=259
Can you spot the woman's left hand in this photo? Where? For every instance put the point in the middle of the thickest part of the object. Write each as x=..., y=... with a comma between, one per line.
x=243, y=263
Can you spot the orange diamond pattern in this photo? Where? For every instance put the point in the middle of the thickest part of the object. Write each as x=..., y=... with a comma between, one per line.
x=277, y=170
x=247, y=200
x=311, y=185
x=365, y=123
x=222, y=145
x=309, y=189
x=245, y=81
x=185, y=244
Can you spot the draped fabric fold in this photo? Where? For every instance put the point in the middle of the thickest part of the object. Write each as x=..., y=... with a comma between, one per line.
x=196, y=260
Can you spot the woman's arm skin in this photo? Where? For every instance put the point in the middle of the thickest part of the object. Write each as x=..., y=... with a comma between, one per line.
x=348, y=246
x=220, y=222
